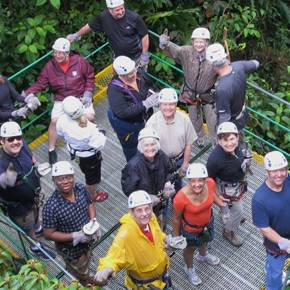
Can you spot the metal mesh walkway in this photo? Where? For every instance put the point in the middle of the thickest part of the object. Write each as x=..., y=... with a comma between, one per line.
x=239, y=269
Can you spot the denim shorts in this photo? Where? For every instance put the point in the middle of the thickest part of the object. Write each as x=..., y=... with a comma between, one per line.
x=194, y=239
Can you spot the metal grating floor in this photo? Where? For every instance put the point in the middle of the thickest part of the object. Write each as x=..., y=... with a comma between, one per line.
x=240, y=269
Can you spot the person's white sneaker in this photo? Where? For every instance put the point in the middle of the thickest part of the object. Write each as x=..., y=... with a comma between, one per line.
x=208, y=258
x=192, y=276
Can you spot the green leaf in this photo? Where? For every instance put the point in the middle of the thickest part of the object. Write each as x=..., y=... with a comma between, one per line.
x=40, y=2
x=38, y=19
x=32, y=48
x=30, y=21
x=40, y=31
x=55, y=3
x=22, y=48
x=269, y=113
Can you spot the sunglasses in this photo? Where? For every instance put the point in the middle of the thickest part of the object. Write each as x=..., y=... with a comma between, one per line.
x=11, y=139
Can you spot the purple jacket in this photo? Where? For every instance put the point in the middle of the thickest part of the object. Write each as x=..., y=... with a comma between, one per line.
x=78, y=78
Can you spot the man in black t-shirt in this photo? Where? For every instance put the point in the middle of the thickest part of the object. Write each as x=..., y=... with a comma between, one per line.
x=125, y=29
x=231, y=84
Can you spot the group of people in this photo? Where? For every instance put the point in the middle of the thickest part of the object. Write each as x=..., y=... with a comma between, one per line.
x=157, y=145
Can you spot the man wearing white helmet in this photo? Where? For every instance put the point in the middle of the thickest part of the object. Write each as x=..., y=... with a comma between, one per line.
x=199, y=79
x=125, y=29
x=138, y=248
x=64, y=215
x=175, y=130
x=20, y=191
x=227, y=164
x=271, y=214
x=193, y=218
x=130, y=103
x=85, y=141
x=150, y=170
x=230, y=88
x=67, y=74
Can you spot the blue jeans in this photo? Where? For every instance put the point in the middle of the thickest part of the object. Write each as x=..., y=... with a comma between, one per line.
x=127, y=134
x=274, y=269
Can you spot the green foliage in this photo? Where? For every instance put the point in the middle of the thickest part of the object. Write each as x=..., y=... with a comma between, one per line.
x=31, y=275
x=256, y=29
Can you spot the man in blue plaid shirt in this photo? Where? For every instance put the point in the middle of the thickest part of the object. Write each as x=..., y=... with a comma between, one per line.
x=65, y=213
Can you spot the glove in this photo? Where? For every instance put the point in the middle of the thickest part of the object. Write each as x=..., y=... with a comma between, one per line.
x=151, y=101
x=246, y=164
x=73, y=37
x=163, y=40
x=43, y=169
x=32, y=102
x=97, y=235
x=23, y=94
x=169, y=189
x=8, y=178
x=20, y=113
x=87, y=98
x=225, y=211
x=182, y=170
x=144, y=59
x=103, y=275
x=257, y=63
x=155, y=199
x=178, y=242
x=80, y=237
x=284, y=245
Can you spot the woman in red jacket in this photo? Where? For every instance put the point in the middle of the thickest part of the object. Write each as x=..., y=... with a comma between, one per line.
x=193, y=218
x=67, y=74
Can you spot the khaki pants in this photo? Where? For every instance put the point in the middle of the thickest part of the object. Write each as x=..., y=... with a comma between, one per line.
x=79, y=267
x=233, y=223
x=196, y=117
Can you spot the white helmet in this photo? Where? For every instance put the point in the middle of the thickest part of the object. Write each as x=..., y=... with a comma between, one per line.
x=227, y=127
x=10, y=129
x=61, y=44
x=196, y=170
x=73, y=107
x=200, y=32
x=216, y=54
x=137, y=198
x=275, y=160
x=168, y=95
x=148, y=133
x=114, y=3
x=62, y=168
x=123, y=65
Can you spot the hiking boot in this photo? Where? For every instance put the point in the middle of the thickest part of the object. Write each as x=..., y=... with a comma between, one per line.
x=52, y=157
x=233, y=238
x=192, y=276
x=208, y=258
x=37, y=252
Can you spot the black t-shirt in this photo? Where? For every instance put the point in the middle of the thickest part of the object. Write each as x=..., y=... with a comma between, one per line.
x=124, y=34
x=231, y=88
x=225, y=166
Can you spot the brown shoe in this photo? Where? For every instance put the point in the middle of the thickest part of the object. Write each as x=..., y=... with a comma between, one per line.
x=233, y=238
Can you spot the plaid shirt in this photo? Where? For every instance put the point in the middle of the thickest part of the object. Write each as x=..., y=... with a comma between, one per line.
x=67, y=217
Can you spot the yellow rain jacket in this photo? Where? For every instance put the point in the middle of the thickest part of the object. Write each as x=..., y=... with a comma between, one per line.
x=133, y=251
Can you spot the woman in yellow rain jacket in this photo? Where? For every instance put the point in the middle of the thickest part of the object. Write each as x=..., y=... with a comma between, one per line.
x=138, y=247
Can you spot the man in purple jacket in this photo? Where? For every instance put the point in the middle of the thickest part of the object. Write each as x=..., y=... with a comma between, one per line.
x=67, y=74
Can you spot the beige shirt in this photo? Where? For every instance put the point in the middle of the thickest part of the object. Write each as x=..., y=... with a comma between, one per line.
x=174, y=136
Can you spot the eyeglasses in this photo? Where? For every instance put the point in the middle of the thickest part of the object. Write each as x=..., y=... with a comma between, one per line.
x=11, y=139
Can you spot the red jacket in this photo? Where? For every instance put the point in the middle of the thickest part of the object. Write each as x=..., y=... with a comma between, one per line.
x=78, y=78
